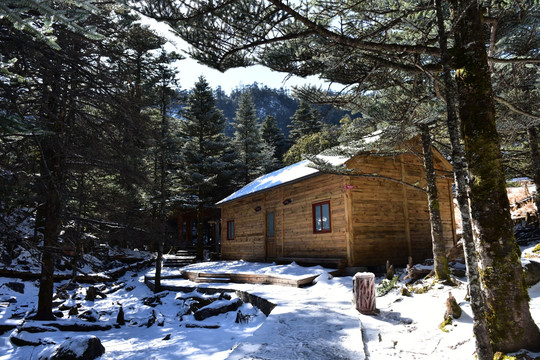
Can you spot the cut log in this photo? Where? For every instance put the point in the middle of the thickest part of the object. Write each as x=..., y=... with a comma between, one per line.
x=364, y=293
x=213, y=310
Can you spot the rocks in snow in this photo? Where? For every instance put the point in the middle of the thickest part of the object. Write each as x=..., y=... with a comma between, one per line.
x=16, y=286
x=84, y=347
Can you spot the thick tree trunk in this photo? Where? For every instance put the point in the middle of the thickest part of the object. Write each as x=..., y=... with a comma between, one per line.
x=484, y=349
x=535, y=164
x=509, y=320
x=440, y=263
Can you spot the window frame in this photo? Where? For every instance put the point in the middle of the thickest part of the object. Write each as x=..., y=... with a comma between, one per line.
x=230, y=229
x=320, y=205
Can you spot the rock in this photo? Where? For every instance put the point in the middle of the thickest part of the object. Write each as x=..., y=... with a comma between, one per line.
x=6, y=327
x=16, y=286
x=84, y=347
x=89, y=315
x=153, y=301
x=64, y=307
x=532, y=272
x=73, y=311
x=20, y=340
x=405, y=291
x=167, y=337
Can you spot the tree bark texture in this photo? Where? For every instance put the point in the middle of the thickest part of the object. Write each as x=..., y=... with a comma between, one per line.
x=535, y=164
x=440, y=263
x=509, y=320
x=51, y=167
x=484, y=349
x=364, y=293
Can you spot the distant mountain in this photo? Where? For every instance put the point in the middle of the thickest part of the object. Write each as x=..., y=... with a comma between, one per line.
x=276, y=102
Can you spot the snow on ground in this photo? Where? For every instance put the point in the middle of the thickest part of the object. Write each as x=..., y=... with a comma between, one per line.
x=315, y=322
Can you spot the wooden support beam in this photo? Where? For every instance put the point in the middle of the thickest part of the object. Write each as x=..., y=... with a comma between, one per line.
x=349, y=236
x=406, y=208
x=452, y=213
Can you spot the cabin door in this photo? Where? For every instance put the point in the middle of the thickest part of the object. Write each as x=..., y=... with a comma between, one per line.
x=270, y=239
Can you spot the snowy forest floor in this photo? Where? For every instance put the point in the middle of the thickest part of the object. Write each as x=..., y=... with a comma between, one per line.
x=315, y=322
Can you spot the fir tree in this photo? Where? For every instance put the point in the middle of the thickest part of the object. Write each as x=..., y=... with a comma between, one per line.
x=247, y=141
x=203, y=152
x=305, y=121
x=273, y=138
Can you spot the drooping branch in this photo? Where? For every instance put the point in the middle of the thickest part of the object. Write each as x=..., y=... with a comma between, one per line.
x=355, y=42
x=512, y=107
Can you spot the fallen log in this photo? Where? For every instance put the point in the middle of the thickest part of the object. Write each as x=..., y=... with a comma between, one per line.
x=80, y=327
x=212, y=310
x=89, y=279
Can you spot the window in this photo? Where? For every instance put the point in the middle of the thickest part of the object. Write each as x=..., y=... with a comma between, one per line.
x=321, y=217
x=230, y=230
x=270, y=224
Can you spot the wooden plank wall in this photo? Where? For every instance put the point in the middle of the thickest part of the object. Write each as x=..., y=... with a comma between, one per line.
x=385, y=225
x=294, y=235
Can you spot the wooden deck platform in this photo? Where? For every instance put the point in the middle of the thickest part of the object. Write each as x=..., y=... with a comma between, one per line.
x=201, y=277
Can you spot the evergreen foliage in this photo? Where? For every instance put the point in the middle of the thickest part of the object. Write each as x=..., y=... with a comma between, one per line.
x=274, y=140
x=204, y=147
x=247, y=142
x=305, y=121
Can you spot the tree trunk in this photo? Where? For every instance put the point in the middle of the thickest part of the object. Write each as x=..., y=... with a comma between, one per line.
x=440, y=263
x=200, y=243
x=535, y=165
x=159, y=259
x=51, y=169
x=509, y=320
x=484, y=349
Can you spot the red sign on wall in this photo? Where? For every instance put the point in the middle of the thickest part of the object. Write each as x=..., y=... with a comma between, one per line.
x=349, y=187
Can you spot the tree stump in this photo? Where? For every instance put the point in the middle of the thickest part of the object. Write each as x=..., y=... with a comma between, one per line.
x=452, y=308
x=364, y=293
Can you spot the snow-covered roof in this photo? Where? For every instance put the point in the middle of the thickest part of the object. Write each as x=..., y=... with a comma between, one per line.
x=283, y=176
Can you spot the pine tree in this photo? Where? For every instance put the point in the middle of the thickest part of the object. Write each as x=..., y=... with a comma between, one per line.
x=247, y=141
x=304, y=122
x=273, y=138
x=203, y=152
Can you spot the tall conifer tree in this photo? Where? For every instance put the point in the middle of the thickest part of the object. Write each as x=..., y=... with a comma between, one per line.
x=304, y=122
x=247, y=141
x=203, y=151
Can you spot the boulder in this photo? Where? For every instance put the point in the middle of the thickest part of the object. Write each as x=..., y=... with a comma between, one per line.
x=532, y=272
x=16, y=286
x=84, y=347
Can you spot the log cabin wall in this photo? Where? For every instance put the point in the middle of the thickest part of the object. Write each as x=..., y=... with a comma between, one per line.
x=390, y=221
x=293, y=226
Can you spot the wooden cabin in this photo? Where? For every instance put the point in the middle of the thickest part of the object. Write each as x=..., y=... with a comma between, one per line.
x=301, y=214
